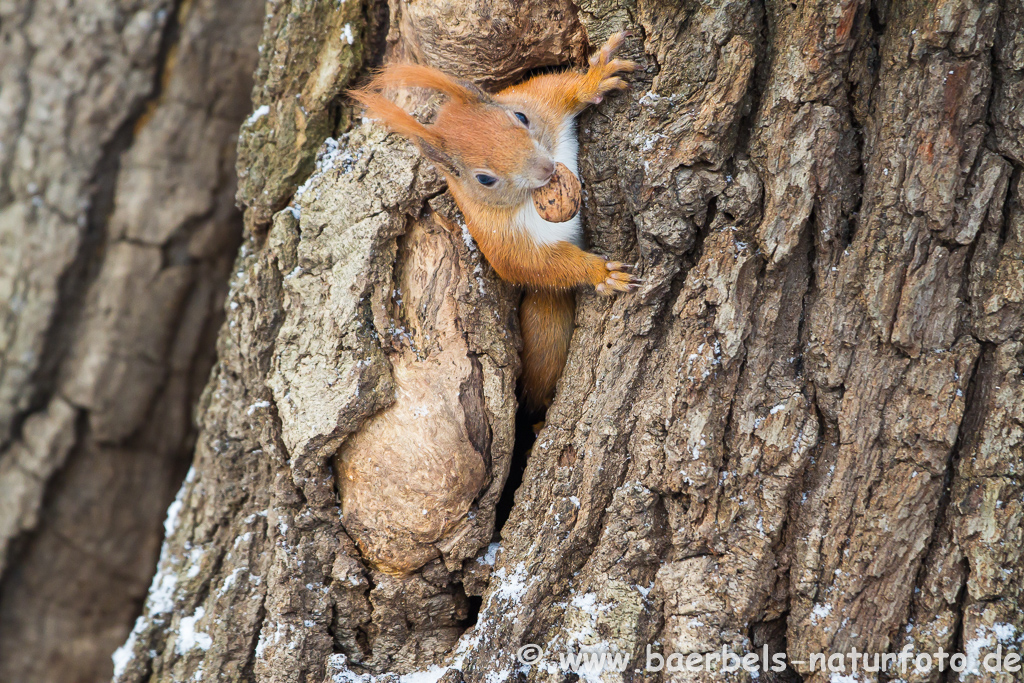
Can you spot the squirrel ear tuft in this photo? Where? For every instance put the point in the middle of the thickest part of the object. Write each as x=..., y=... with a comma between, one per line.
x=394, y=117
x=438, y=157
x=419, y=76
x=400, y=121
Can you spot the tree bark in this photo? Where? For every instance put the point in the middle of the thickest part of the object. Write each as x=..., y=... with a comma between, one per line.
x=118, y=124
x=803, y=432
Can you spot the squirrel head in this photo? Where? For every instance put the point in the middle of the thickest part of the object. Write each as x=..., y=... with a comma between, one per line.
x=482, y=145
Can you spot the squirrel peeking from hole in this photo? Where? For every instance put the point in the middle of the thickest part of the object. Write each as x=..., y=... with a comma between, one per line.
x=496, y=150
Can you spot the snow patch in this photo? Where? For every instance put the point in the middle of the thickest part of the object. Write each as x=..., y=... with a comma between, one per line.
x=841, y=678
x=490, y=556
x=821, y=611
x=258, y=114
x=188, y=637
x=171, y=523
x=126, y=653
x=161, y=592
x=256, y=406
x=511, y=587
x=1005, y=633
x=230, y=580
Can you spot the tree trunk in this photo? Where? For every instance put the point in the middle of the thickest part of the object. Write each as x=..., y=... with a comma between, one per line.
x=803, y=433
x=118, y=124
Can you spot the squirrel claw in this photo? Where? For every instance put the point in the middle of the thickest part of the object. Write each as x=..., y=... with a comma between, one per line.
x=604, y=69
x=603, y=57
x=617, y=280
x=619, y=65
x=611, y=46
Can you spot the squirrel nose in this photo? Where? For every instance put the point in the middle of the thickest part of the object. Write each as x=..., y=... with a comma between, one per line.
x=546, y=169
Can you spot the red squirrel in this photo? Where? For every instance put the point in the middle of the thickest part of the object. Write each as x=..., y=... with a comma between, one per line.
x=494, y=150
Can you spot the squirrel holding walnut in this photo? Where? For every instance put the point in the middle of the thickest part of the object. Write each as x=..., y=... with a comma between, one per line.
x=495, y=150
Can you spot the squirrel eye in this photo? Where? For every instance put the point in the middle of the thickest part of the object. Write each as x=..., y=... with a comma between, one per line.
x=486, y=180
x=522, y=118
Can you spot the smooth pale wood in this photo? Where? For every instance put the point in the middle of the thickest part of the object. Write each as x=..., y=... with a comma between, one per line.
x=559, y=200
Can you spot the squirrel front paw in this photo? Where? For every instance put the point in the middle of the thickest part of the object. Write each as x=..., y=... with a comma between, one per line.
x=605, y=69
x=617, y=279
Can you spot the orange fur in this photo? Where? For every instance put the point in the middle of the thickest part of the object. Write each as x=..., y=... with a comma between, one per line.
x=476, y=133
x=518, y=259
x=396, y=118
x=546, y=319
x=419, y=76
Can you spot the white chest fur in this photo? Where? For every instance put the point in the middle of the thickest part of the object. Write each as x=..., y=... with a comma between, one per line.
x=545, y=232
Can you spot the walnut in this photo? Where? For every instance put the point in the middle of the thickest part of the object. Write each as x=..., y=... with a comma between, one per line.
x=559, y=200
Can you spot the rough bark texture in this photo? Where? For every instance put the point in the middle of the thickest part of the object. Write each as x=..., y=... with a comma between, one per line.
x=805, y=430
x=118, y=124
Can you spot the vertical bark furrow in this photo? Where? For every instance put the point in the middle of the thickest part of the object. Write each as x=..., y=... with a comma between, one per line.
x=119, y=191
x=747, y=425
x=969, y=601
x=60, y=144
x=887, y=347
